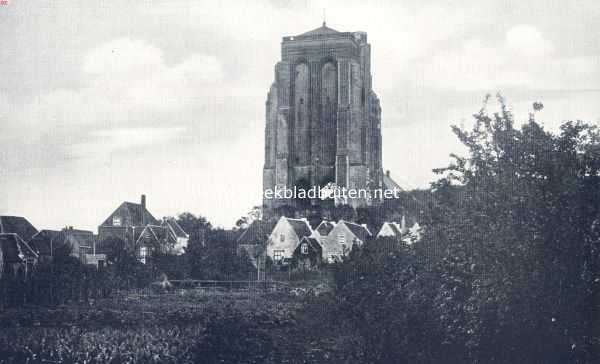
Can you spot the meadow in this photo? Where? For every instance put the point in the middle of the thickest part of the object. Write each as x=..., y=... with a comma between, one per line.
x=185, y=326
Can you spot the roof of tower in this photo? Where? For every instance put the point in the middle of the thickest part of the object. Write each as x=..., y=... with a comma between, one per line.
x=322, y=30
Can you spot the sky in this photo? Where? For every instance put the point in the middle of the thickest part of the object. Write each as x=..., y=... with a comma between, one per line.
x=101, y=101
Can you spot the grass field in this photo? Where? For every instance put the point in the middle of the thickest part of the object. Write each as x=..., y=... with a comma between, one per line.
x=185, y=326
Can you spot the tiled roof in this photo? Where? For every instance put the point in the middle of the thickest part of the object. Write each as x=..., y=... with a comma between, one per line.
x=81, y=237
x=325, y=227
x=14, y=249
x=396, y=229
x=134, y=213
x=177, y=229
x=257, y=233
x=359, y=231
x=17, y=225
x=45, y=240
x=301, y=227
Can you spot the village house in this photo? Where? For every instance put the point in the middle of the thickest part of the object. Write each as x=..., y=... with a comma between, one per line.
x=141, y=232
x=308, y=254
x=400, y=232
x=166, y=238
x=16, y=256
x=391, y=229
x=285, y=238
x=127, y=222
x=343, y=238
x=17, y=225
x=80, y=243
x=46, y=242
x=252, y=241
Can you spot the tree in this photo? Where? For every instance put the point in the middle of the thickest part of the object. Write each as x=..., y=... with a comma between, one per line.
x=508, y=266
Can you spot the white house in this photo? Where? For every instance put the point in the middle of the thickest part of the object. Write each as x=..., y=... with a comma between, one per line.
x=285, y=237
x=391, y=229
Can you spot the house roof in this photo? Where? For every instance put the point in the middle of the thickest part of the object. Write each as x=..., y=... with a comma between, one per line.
x=322, y=30
x=257, y=233
x=153, y=233
x=134, y=212
x=395, y=229
x=175, y=227
x=81, y=237
x=45, y=240
x=301, y=227
x=325, y=227
x=14, y=249
x=359, y=231
x=17, y=225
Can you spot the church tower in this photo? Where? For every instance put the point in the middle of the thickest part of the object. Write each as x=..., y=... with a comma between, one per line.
x=323, y=120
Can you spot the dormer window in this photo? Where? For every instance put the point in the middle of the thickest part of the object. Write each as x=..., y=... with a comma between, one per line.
x=282, y=238
x=304, y=248
x=342, y=238
x=116, y=221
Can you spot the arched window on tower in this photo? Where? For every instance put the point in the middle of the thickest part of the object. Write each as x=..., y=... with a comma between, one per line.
x=301, y=130
x=329, y=111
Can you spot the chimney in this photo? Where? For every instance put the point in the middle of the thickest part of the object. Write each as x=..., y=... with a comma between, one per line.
x=143, y=203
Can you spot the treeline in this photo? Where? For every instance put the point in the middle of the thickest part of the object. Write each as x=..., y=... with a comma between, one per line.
x=508, y=270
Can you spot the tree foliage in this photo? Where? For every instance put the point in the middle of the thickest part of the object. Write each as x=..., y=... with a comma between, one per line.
x=508, y=269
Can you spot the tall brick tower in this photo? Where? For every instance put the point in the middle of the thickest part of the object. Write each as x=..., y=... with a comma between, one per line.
x=323, y=120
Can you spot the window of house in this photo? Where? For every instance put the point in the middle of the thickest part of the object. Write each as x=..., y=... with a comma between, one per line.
x=282, y=238
x=344, y=248
x=143, y=254
x=116, y=221
x=277, y=255
x=304, y=248
x=342, y=238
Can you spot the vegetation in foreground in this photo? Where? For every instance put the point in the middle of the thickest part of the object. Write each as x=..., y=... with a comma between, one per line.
x=507, y=271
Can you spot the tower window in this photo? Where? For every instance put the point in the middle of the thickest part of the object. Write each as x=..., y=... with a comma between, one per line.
x=362, y=96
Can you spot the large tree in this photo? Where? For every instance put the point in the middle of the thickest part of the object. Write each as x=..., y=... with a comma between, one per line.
x=508, y=269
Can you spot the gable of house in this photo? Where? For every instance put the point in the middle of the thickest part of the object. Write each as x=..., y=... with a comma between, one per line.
x=15, y=252
x=390, y=229
x=308, y=253
x=285, y=237
x=360, y=232
x=129, y=214
x=176, y=238
x=17, y=225
x=342, y=239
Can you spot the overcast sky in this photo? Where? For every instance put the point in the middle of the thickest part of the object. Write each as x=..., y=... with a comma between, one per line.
x=101, y=101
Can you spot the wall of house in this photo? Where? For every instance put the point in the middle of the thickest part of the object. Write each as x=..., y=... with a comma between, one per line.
x=287, y=244
x=332, y=246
